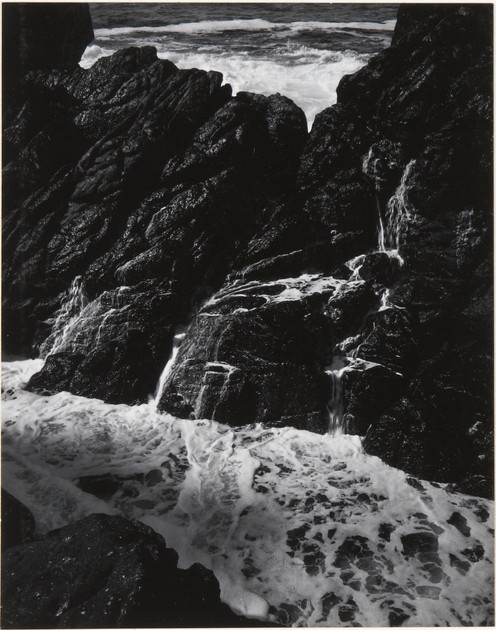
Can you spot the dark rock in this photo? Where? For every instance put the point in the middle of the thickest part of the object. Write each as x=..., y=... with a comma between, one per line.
x=57, y=374
x=443, y=390
x=460, y=522
x=158, y=198
x=420, y=542
x=385, y=531
x=42, y=36
x=379, y=268
x=17, y=522
x=245, y=364
x=367, y=394
x=105, y=571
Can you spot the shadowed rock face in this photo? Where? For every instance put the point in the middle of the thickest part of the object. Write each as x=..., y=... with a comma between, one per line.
x=105, y=571
x=175, y=202
x=17, y=522
x=42, y=36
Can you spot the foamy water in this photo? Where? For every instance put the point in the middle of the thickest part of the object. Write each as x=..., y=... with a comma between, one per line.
x=310, y=82
x=298, y=527
x=302, y=59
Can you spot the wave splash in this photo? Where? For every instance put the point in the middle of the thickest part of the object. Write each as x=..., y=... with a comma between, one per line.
x=307, y=76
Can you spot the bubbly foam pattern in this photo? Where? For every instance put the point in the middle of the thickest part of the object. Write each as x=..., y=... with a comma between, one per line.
x=298, y=527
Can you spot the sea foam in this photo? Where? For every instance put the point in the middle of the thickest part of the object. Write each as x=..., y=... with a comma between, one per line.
x=307, y=76
x=300, y=528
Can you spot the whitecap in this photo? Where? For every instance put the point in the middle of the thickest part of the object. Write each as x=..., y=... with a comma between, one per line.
x=245, y=25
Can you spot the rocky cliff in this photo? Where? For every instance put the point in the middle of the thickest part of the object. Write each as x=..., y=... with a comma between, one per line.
x=341, y=279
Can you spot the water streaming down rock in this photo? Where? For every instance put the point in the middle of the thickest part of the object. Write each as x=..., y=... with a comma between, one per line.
x=398, y=213
x=370, y=168
x=338, y=367
x=393, y=222
x=73, y=304
x=390, y=234
x=80, y=322
x=179, y=335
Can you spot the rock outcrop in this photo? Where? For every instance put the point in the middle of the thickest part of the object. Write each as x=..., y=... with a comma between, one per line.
x=107, y=572
x=344, y=278
x=145, y=185
x=409, y=141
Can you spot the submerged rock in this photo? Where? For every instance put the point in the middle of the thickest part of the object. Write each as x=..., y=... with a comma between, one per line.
x=105, y=571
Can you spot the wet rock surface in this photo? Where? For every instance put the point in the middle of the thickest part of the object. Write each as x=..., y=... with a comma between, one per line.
x=105, y=571
x=177, y=203
x=17, y=522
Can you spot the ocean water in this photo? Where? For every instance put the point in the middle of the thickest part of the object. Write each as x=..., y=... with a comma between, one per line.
x=299, y=50
x=299, y=528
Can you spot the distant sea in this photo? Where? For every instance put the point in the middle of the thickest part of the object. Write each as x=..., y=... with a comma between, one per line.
x=299, y=50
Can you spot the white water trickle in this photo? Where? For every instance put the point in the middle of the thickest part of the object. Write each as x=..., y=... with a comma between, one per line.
x=80, y=323
x=386, y=303
x=369, y=167
x=381, y=236
x=354, y=265
x=178, y=339
x=336, y=371
x=398, y=211
x=392, y=228
x=74, y=302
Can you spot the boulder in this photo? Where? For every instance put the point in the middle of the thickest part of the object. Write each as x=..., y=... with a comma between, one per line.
x=248, y=357
x=107, y=572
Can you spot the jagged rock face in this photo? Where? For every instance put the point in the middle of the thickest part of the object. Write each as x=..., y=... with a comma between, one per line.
x=162, y=191
x=252, y=355
x=106, y=571
x=410, y=134
x=133, y=174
